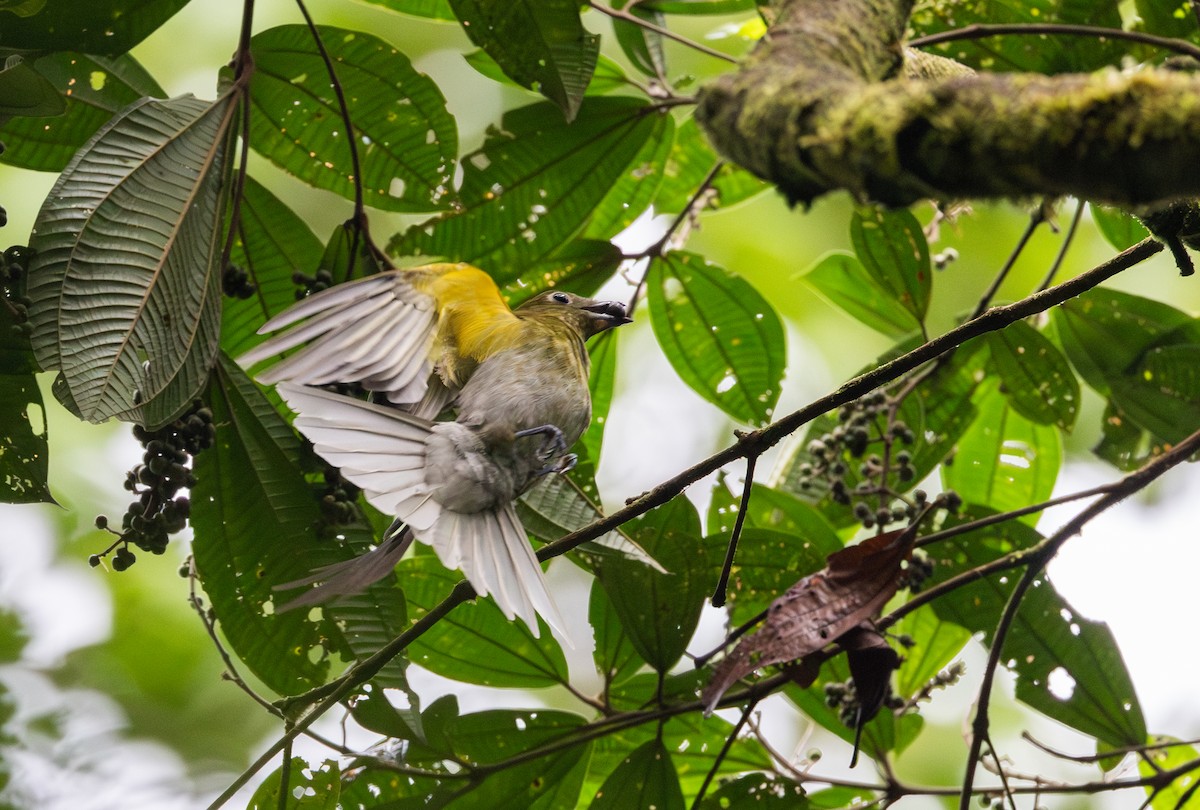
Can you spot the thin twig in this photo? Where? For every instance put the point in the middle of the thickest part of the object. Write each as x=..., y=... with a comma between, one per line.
x=724, y=752
x=983, y=31
x=1068, y=239
x=718, y=599
x=1087, y=759
x=632, y=19
x=1035, y=219
x=1037, y=558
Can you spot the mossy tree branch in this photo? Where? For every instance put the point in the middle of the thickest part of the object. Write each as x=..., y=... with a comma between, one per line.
x=826, y=103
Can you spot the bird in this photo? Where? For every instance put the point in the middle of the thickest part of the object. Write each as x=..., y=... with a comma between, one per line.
x=428, y=341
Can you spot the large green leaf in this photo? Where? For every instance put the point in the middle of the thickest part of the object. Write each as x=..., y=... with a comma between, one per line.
x=935, y=642
x=1036, y=378
x=256, y=525
x=24, y=91
x=98, y=26
x=309, y=787
x=634, y=190
x=429, y=9
x=475, y=643
x=1003, y=459
x=126, y=283
x=1121, y=229
x=607, y=77
x=1181, y=792
x=95, y=88
x=581, y=266
x=601, y=381
x=616, y=658
x=892, y=248
x=719, y=334
x=660, y=611
x=757, y=791
x=407, y=141
x=701, y=6
x=538, y=44
x=646, y=778
x=842, y=278
x=24, y=448
x=1048, y=643
x=535, y=183
x=271, y=244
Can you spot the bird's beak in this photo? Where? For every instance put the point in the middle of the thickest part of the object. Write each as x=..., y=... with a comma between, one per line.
x=610, y=314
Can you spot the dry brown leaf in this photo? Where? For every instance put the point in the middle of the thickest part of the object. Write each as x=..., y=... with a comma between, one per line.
x=853, y=587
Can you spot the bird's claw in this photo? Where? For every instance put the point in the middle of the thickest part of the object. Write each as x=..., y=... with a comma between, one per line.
x=553, y=445
x=564, y=464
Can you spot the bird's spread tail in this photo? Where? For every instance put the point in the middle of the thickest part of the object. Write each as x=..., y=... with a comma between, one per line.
x=382, y=450
x=492, y=549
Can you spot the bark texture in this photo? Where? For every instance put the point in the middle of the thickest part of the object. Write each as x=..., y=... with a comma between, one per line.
x=829, y=101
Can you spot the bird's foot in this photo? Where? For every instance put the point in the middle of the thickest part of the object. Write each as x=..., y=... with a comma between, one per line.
x=553, y=445
x=564, y=464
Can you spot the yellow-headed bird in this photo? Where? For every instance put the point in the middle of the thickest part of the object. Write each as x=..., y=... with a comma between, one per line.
x=428, y=339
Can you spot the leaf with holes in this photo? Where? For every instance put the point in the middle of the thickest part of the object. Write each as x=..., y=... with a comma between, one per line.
x=891, y=246
x=98, y=26
x=719, y=334
x=536, y=182
x=1037, y=380
x=645, y=778
x=407, y=141
x=126, y=281
x=540, y=45
x=95, y=88
x=24, y=446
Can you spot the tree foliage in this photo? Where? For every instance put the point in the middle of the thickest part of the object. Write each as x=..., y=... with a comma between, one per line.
x=901, y=513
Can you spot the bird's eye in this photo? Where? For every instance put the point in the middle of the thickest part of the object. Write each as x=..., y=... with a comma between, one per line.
x=561, y=297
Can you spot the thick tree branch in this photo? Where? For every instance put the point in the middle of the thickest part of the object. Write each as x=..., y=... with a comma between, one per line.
x=822, y=105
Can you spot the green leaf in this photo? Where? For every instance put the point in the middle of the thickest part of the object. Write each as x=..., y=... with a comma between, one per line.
x=106, y=27
x=26, y=92
x=1003, y=460
x=660, y=611
x=720, y=335
x=126, y=282
x=756, y=791
x=1036, y=378
x=24, y=446
x=1104, y=332
x=1067, y=667
x=891, y=246
x=255, y=522
x=581, y=265
x=407, y=141
x=309, y=788
x=1140, y=354
x=690, y=161
x=634, y=190
x=429, y=9
x=1172, y=18
x=475, y=643
x=615, y=656
x=1121, y=229
x=646, y=778
x=936, y=643
x=539, y=44
x=1174, y=796
x=643, y=46
x=601, y=381
x=95, y=88
x=535, y=183
x=272, y=244
x=845, y=282
x=607, y=77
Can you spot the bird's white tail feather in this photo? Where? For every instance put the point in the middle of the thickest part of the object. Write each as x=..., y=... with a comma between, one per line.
x=492, y=550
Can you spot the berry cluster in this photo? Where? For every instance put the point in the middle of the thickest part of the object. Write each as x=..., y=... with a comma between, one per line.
x=235, y=282
x=12, y=281
x=339, y=499
x=842, y=696
x=841, y=460
x=159, y=510
x=322, y=280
